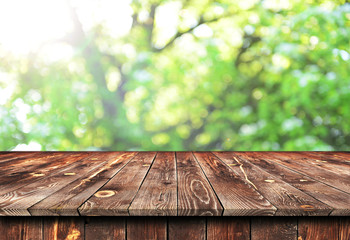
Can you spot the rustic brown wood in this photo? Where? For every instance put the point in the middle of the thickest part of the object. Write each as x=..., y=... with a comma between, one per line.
x=158, y=193
x=289, y=200
x=193, y=228
x=12, y=181
x=341, y=156
x=100, y=183
x=221, y=228
x=7, y=155
x=68, y=228
x=146, y=228
x=38, y=163
x=26, y=228
x=26, y=163
x=329, y=159
x=320, y=228
x=105, y=228
x=18, y=201
x=337, y=180
x=274, y=228
x=115, y=197
x=11, y=156
x=195, y=195
x=323, y=162
x=67, y=200
x=211, y=228
x=237, y=197
x=334, y=198
x=344, y=228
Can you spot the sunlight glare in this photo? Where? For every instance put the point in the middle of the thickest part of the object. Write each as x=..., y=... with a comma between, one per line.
x=25, y=25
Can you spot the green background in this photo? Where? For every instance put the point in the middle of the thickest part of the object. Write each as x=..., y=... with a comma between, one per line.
x=226, y=75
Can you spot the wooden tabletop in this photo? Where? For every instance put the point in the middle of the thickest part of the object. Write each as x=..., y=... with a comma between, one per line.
x=175, y=183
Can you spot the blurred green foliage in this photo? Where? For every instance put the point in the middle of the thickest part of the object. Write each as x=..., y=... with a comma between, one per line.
x=224, y=75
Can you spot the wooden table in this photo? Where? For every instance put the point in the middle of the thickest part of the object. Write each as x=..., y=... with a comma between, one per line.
x=175, y=195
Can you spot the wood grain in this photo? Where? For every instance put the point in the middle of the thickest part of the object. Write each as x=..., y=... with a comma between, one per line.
x=183, y=183
x=67, y=200
x=289, y=200
x=146, y=228
x=337, y=180
x=18, y=201
x=237, y=197
x=344, y=228
x=105, y=228
x=29, y=163
x=24, y=228
x=274, y=228
x=65, y=228
x=193, y=228
x=11, y=156
x=158, y=193
x=320, y=228
x=333, y=197
x=323, y=162
x=222, y=228
x=195, y=195
x=115, y=197
x=24, y=176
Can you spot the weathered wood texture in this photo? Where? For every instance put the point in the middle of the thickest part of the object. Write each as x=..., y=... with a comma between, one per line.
x=175, y=184
x=158, y=194
x=63, y=228
x=237, y=197
x=191, y=228
x=318, y=228
x=105, y=228
x=146, y=228
x=187, y=228
x=237, y=228
x=274, y=228
x=115, y=197
x=195, y=195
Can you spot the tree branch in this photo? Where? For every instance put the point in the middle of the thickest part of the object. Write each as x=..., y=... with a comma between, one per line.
x=180, y=33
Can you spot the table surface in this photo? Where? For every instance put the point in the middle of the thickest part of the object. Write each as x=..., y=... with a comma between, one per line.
x=175, y=183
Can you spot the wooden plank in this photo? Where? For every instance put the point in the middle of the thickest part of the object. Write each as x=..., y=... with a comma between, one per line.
x=67, y=228
x=193, y=228
x=274, y=228
x=320, y=228
x=344, y=228
x=288, y=200
x=340, y=156
x=22, y=163
x=18, y=201
x=158, y=193
x=195, y=195
x=339, y=181
x=31, y=167
x=8, y=169
x=114, y=198
x=11, y=156
x=5, y=155
x=105, y=228
x=237, y=197
x=14, y=228
x=65, y=202
x=146, y=228
x=329, y=158
x=13, y=181
x=323, y=162
x=335, y=198
x=221, y=228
